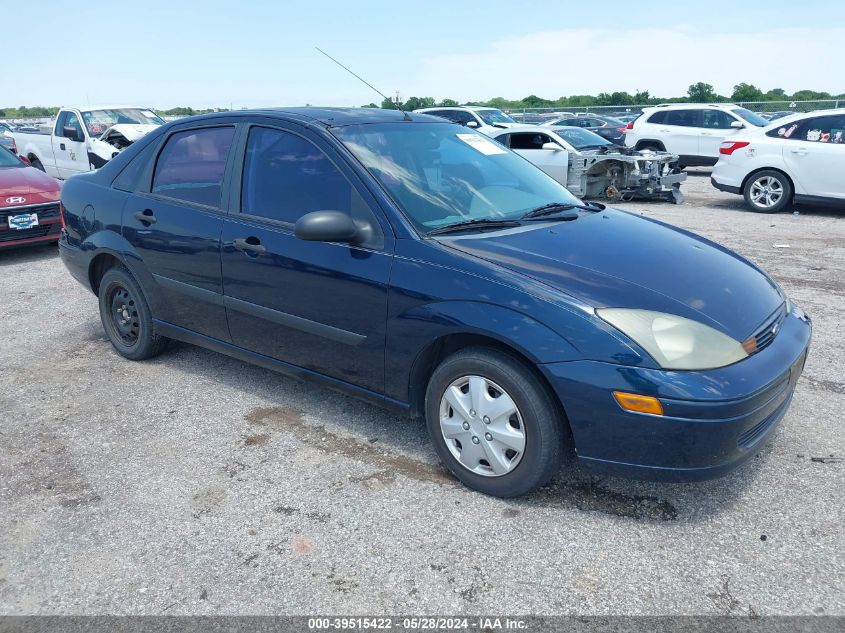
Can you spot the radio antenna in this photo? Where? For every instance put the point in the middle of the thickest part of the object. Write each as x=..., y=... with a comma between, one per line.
x=365, y=82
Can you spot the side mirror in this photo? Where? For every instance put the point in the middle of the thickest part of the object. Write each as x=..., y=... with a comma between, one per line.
x=552, y=146
x=472, y=123
x=737, y=125
x=73, y=133
x=327, y=226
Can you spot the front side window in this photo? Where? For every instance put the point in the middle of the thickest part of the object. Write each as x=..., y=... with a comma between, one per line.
x=286, y=176
x=67, y=119
x=716, y=119
x=191, y=165
x=438, y=174
x=524, y=140
x=683, y=118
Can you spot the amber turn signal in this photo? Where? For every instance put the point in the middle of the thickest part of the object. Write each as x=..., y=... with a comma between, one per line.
x=637, y=403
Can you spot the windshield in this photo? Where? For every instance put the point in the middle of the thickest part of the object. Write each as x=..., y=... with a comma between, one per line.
x=7, y=159
x=580, y=138
x=491, y=117
x=441, y=175
x=752, y=117
x=98, y=121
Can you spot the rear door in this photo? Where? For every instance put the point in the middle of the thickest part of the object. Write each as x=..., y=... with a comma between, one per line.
x=174, y=221
x=815, y=155
x=70, y=153
x=317, y=305
x=681, y=132
x=530, y=145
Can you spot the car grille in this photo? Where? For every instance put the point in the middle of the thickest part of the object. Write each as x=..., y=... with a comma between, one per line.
x=45, y=212
x=763, y=337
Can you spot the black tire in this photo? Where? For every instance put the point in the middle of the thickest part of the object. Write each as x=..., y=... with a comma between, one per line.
x=547, y=439
x=652, y=145
x=757, y=183
x=37, y=164
x=126, y=316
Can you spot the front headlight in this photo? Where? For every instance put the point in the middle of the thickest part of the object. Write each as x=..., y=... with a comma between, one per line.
x=673, y=341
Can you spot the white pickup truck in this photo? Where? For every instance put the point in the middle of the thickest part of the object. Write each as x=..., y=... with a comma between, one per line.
x=84, y=139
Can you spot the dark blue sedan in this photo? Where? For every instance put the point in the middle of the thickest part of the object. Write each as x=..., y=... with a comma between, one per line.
x=424, y=267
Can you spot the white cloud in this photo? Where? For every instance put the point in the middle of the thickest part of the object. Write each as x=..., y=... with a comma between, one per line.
x=664, y=61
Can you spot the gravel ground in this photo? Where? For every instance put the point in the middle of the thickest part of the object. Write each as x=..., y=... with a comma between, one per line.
x=197, y=484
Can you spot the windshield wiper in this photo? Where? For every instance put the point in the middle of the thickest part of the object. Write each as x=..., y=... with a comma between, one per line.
x=478, y=223
x=555, y=207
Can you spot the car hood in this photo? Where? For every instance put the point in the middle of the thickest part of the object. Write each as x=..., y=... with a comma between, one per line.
x=131, y=131
x=617, y=259
x=27, y=182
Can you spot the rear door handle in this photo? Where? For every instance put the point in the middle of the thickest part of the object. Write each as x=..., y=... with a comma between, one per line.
x=799, y=150
x=249, y=246
x=146, y=217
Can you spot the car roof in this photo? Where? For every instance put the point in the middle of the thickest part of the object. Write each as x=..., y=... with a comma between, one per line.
x=112, y=106
x=687, y=106
x=328, y=116
x=460, y=108
x=544, y=129
x=799, y=116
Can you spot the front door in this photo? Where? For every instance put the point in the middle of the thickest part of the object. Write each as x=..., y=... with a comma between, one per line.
x=555, y=162
x=174, y=225
x=320, y=306
x=70, y=152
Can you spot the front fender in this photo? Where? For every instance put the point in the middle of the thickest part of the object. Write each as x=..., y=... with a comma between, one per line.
x=410, y=334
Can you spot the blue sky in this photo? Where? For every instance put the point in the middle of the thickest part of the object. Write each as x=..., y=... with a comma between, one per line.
x=215, y=53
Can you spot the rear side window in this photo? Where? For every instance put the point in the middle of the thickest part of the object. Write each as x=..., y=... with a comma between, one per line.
x=824, y=129
x=658, y=117
x=191, y=165
x=286, y=176
x=131, y=174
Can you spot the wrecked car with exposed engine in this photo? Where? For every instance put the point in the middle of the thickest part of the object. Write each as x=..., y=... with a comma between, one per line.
x=592, y=167
x=85, y=139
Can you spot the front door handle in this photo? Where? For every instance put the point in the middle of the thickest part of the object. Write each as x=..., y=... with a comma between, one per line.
x=250, y=246
x=62, y=146
x=146, y=217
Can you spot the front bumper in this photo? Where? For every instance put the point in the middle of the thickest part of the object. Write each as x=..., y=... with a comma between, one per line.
x=713, y=420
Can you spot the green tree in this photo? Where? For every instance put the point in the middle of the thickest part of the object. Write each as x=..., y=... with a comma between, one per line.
x=448, y=103
x=388, y=104
x=746, y=92
x=370, y=105
x=414, y=103
x=533, y=101
x=810, y=95
x=701, y=93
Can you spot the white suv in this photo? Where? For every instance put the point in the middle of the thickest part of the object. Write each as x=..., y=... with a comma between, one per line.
x=485, y=120
x=693, y=131
x=800, y=157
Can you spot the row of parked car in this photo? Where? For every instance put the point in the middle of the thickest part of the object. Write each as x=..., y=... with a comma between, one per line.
x=772, y=163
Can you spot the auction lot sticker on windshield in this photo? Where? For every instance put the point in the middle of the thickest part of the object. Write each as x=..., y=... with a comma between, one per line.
x=23, y=221
x=483, y=145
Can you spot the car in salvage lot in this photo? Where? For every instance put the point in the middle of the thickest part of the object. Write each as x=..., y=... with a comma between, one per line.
x=29, y=203
x=592, y=167
x=607, y=127
x=83, y=139
x=800, y=158
x=426, y=268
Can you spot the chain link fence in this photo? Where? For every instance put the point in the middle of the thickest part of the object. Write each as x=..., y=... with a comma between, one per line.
x=538, y=115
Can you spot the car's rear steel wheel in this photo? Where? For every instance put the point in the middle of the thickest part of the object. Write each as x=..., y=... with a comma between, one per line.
x=124, y=313
x=126, y=316
x=482, y=426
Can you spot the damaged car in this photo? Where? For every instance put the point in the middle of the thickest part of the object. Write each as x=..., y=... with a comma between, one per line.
x=592, y=167
x=84, y=139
